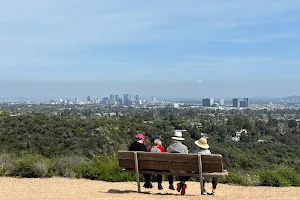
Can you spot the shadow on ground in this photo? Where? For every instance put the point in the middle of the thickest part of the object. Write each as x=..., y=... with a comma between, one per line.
x=124, y=191
x=114, y=191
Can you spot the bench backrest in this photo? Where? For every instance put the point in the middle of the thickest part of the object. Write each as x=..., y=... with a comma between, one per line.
x=170, y=161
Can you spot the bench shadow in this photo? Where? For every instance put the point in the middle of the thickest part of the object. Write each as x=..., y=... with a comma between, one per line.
x=114, y=191
x=124, y=191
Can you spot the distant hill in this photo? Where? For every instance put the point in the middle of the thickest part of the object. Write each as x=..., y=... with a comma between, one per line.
x=292, y=98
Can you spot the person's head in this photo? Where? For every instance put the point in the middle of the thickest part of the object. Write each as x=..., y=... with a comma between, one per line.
x=140, y=138
x=156, y=140
x=202, y=143
x=177, y=136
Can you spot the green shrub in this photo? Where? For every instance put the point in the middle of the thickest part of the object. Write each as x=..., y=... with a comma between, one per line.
x=103, y=167
x=6, y=163
x=31, y=166
x=88, y=170
x=40, y=169
x=63, y=166
x=279, y=177
x=239, y=178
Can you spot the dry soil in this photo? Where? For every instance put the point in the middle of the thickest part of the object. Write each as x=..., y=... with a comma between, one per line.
x=81, y=189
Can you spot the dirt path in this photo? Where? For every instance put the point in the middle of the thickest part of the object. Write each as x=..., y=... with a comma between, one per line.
x=79, y=189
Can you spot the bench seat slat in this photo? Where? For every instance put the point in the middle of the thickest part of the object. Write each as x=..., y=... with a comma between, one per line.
x=168, y=165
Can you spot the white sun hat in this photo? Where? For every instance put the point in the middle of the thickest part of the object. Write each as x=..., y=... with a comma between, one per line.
x=178, y=136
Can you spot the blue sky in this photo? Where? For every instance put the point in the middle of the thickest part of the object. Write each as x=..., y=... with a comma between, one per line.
x=167, y=48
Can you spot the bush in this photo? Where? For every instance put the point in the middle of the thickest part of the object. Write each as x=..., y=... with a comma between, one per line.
x=241, y=178
x=40, y=169
x=6, y=163
x=280, y=177
x=103, y=167
x=63, y=166
x=31, y=166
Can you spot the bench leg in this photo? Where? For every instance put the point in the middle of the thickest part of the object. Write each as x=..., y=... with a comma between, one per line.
x=137, y=172
x=200, y=174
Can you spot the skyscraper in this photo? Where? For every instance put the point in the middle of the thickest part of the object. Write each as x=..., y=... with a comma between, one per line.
x=137, y=97
x=105, y=100
x=117, y=97
x=208, y=102
x=112, y=97
x=222, y=102
x=246, y=99
x=126, y=96
x=127, y=100
x=76, y=101
x=236, y=102
x=244, y=103
x=88, y=99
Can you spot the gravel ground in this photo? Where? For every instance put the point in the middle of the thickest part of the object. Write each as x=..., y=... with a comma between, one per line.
x=81, y=189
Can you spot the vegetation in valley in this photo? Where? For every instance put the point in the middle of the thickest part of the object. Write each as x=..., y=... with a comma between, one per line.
x=259, y=147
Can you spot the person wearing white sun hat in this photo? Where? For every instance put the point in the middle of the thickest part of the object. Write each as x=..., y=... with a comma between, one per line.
x=177, y=147
x=204, y=150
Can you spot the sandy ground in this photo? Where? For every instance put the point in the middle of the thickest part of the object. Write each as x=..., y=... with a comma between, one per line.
x=75, y=189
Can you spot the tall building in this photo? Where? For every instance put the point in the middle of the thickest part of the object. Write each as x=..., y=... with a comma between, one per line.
x=222, y=102
x=105, y=100
x=137, y=97
x=117, y=97
x=111, y=97
x=244, y=103
x=236, y=102
x=208, y=102
x=126, y=96
x=88, y=99
x=246, y=99
x=97, y=101
x=127, y=100
x=77, y=101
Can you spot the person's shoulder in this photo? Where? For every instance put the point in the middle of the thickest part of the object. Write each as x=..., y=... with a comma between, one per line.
x=162, y=148
x=155, y=150
x=204, y=152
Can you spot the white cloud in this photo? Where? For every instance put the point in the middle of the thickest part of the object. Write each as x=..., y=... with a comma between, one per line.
x=56, y=33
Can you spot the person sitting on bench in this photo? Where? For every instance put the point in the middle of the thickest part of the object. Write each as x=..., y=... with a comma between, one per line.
x=139, y=145
x=204, y=150
x=157, y=148
x=178, y=147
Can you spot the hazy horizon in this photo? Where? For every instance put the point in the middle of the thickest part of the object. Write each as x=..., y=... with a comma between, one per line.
x=171, y=89
x=167, y=48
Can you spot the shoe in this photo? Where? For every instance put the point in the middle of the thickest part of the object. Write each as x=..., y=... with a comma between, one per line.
x=183, y=188
x=212, y=194
x=148, y=185
x=171, y=187
x=205, y=192
x=160, y=187
x=178, y=187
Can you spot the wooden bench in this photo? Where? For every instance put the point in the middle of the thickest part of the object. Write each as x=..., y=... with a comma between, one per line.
x=194, y=165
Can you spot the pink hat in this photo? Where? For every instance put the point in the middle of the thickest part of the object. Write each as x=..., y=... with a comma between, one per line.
x=140, y=136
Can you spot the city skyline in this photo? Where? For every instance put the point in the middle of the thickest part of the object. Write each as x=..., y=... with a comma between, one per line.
x=165, y=48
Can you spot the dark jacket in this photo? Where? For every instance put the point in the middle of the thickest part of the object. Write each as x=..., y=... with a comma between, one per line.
x=136, y=146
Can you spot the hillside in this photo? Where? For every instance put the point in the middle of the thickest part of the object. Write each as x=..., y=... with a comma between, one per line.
x=81, y=189
x=74, y=145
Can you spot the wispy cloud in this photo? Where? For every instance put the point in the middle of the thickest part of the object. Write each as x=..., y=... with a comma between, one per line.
x=260, y=38
x=83, y=39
